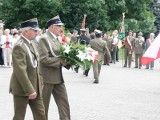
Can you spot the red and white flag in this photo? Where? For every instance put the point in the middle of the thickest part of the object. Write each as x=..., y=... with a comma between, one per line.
x=153, y=52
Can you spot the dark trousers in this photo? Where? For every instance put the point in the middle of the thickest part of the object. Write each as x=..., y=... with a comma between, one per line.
x=60, y=96
x=128, y=57
x=117, y=57
x=106, y=59
x=96, y=71
x=1, y=57
x=113, y=55
x=151, y=65
x=36, y=105
x=138, y=60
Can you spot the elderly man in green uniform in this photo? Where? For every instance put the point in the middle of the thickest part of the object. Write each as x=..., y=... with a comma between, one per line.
x=51, y=68
x=108, y=39
x=139, y=47
x=128, y=49
x=101, y=46
x=26, y=81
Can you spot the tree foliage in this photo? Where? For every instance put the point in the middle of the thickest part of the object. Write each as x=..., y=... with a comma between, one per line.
x=15, y=11
x=101, y=14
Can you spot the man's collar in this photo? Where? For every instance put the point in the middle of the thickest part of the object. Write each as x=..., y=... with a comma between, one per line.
x=55, y=37
x=27, y=39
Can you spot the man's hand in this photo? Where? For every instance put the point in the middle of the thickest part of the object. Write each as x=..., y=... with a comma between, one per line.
x=63, y=62
x=33, y=96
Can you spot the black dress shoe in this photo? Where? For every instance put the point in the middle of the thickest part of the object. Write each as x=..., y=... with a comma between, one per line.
x=135, y=67
x=86, y=72
x=76, y=70
x=146, y=68
x=108, y=64
x=96, y=82
x=125, y=66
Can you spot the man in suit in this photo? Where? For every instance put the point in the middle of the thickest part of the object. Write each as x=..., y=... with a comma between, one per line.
x=139, y=46
x=51, y=68
x=128, y=49
x=101, y=46
x=26, y=80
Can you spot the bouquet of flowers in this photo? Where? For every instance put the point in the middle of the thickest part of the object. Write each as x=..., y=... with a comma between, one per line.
x=77, y=54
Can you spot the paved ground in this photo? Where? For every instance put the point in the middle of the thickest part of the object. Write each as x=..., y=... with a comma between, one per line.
x=122, y=94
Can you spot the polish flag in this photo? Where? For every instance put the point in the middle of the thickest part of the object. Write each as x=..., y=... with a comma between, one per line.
x=153, y=52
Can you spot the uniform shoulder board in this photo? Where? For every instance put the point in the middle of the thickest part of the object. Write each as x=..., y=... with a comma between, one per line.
x=20, y=42
x=44, y=36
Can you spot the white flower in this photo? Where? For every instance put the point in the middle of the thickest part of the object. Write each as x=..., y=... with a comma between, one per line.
x=92, y=54
x=67, y=49
x=81, y=55
x=89, y=57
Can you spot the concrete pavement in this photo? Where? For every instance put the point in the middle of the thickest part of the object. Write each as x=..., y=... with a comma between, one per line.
x=122, y=94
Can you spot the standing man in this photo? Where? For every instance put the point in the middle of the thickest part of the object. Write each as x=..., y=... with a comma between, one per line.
x=26, y=81
x=101, y=46
x=128, y=49
x=51, y=68
x=109, y=41
x=148, y=43
x=139, y=46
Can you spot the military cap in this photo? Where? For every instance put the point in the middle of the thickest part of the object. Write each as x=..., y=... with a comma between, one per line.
x=75, y=31
x=54, y=21
x=83, y=30
x=130, y=31
x=140, y=34
x=97, y=31
x=32, y=23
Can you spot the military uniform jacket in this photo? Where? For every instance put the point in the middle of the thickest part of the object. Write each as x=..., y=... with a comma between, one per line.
x=109, y=42
x=101, y=46
x=50, y=66
x=139, y=46
x=25, y=79
x=129, y=42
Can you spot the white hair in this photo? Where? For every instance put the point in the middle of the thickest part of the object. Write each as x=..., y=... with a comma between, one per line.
x=152, y=34
x=6, y=30
x=25, y=29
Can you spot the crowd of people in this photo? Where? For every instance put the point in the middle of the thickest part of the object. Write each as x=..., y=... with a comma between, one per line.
x=35, y=55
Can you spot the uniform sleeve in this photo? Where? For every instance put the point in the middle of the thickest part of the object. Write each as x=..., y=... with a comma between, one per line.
x=45, y=59
x=20, y=69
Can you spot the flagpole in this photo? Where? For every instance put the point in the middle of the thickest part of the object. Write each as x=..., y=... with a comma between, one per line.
x=84, y=22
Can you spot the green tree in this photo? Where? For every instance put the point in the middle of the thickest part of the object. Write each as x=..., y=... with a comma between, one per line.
x=72, y=12
x=105, y=15
x=15, y=11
